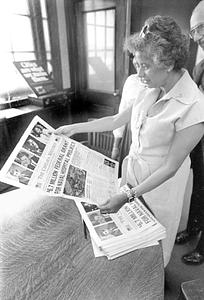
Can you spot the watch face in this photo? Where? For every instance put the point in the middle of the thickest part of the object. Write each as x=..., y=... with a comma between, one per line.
x=130, y=196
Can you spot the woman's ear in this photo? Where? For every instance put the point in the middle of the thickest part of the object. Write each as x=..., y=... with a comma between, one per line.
x=170, y=68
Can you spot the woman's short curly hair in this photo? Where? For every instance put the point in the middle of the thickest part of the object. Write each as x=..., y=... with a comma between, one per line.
x=163, y=37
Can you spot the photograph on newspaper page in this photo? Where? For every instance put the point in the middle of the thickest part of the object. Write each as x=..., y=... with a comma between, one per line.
x=91, y=176
x=59, y=166
x=133, y=227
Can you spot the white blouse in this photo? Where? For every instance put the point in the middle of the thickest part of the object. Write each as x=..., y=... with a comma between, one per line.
x=154, y=124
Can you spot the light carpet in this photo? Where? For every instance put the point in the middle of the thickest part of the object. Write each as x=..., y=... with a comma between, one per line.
x=34, y=249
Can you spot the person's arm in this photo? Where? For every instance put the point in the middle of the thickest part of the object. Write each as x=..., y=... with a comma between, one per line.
x=130, y=93
x=116, y=148
x=184, y=142
x=103, y=124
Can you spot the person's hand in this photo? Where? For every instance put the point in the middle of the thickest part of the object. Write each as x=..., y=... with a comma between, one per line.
x=113, y=204
x=67, y=130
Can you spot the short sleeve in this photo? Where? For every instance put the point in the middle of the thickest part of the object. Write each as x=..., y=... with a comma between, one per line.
x=131, y=90
x=192, y=115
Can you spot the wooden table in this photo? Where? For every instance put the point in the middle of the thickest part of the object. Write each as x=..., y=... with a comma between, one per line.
x=51, y=260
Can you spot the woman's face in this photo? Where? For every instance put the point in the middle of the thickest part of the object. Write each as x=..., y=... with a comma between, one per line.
x=150, y=74
x=25, y=160
x=38, y=130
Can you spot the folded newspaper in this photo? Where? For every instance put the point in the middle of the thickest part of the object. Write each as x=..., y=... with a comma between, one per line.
x=113, y=235
x=60, y=166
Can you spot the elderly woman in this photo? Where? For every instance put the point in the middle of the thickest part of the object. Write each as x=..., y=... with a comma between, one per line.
x=167, y=121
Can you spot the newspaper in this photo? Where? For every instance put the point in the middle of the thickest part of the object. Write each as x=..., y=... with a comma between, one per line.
x=60, y=166
x=113, y=235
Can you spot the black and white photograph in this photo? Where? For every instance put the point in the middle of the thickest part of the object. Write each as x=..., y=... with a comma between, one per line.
x=75, y=182
x=108, y=231
x=102, y=149
x=34, y=146
x=89, y=207
x=27, y=159
x=41, y=133
x=20, y=174
x=97, y=218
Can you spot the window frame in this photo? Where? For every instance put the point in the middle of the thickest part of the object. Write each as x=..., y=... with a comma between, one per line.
x=39, y=51
x=38, y=33
x=86, y=50
x=99, y=103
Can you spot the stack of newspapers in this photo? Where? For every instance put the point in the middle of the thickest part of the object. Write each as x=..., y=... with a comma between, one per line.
x=131, y=228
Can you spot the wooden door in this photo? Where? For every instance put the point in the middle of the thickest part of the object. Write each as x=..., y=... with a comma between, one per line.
x=101, y=25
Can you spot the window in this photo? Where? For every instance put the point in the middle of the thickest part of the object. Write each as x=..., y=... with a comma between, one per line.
x=100, y=49
x=46, y=35
x=19, y=41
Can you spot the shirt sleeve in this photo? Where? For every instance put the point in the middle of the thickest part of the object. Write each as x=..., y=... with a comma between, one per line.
x=130, y=92
x=193, y=114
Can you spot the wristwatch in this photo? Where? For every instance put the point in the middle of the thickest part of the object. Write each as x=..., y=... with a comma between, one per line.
x=130, y=195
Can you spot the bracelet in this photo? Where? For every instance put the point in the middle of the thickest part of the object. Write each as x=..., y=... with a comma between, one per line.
x=130, y=195
x=135, y=192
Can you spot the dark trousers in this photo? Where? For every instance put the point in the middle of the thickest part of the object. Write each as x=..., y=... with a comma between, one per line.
x=196, y=212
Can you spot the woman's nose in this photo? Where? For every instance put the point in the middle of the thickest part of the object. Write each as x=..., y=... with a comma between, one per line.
x=140, y=72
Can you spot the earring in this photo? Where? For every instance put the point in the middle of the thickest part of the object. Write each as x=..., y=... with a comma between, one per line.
x=170, y=69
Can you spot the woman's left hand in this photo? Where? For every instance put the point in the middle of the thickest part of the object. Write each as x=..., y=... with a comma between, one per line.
x=113, y=204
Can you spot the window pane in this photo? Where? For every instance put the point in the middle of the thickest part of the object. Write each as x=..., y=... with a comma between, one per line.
x=49, y=68
x=90, y=37
x=110, y=18
x=46, y=35
x=17, y=6
x=91, y=53
x=12, y=83
x=43, y=8
x=17, y=44
x=100, y=37
x=101, y=62
x=5, y=37
x=100, y=77
x=109, y=60
x=90, y=17
x=24, y=56
x=48, y=55
x=100, y=18
x=91, y=71
x=5, y=20
x=101, y=56
x=110, y=38
x=24, y=40
x=6, y=66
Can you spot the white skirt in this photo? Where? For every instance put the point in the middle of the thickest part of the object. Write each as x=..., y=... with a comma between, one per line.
x=165, y=201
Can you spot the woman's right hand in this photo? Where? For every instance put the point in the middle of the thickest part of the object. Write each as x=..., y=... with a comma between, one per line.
x=67, y=130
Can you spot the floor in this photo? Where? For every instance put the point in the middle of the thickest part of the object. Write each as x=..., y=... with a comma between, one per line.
x=177, y=272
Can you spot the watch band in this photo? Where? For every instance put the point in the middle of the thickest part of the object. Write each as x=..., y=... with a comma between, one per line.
x=130, y=195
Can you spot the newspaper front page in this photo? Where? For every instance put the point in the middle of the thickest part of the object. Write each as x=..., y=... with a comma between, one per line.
x=113, y=235
x=60, y=166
